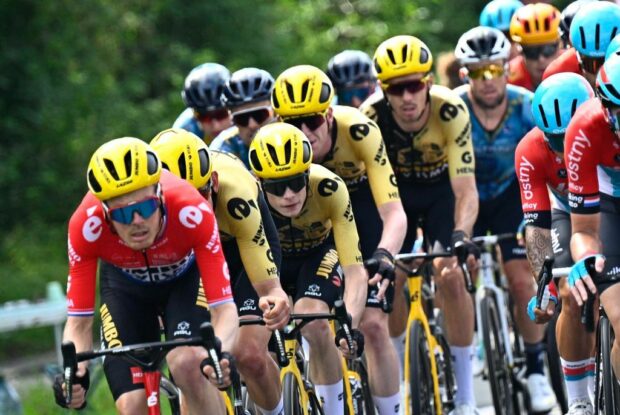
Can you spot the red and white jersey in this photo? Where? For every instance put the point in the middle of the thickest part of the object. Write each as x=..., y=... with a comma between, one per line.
x=518, y=74
x=540, y=172
x=592, y=156
x=189, y=234
x=566, y=62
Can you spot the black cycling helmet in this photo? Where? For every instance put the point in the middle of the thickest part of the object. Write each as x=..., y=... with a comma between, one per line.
x=248, y=85
x=482, y=43
x=568, y=14
x=204, y=87
x=350, y=67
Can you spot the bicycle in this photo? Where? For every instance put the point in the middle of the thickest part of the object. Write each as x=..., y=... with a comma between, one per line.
x=429, y=379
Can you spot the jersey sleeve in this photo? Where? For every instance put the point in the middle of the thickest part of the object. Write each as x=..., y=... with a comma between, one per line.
x=210, y=257
x=457, y=129
x=245, y=222
x=336, y=195
x=370, y=148
x=84, y=231
x=530, y=171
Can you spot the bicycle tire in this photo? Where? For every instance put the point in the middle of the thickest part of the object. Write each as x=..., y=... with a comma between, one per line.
x=421, y=391
x=610, y=397
x=291, y=394
x=554, y=364
x=495, y=351
x=315, y=404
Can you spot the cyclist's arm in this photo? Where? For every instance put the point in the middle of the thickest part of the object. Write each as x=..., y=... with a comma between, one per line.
x=394, y=226
x=225, y=323
x=79, y=331
x=537, y=247
x=355, y=291
x=466, y=203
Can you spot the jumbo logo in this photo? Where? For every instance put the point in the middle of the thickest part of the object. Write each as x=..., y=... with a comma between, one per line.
x=110, y=333
x=191, y=216
x=92, y=227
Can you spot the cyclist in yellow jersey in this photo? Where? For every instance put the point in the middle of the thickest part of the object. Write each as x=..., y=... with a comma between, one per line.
x=350, y=144
x=312, y=212
x=427, y=134
x=248, y=236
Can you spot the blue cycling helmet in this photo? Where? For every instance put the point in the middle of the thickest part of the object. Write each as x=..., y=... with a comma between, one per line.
x=204, y=87
x=248, y=85
x=593, y=27
x=608, y=89
x=568, y=14
x=498, y=13
x=555, y=101
x=613, y=48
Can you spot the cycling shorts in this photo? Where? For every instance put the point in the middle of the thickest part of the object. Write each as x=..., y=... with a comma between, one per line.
x=433, y=203
x=130, y=314
x=610, y=239
x=560, y=238
x=502, y=214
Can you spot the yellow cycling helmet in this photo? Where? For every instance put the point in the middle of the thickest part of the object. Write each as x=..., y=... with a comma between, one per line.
x=280, y=150
x=535, y=24
x=185, y=155
x=400, y=56
x=121, y=166
x=302, y=90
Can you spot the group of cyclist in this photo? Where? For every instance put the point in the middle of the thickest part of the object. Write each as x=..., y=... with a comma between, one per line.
x=266, y=189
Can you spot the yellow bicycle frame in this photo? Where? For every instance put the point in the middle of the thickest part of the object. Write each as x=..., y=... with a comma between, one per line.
x=346, y=374
x=290, y=347
x=416, y=312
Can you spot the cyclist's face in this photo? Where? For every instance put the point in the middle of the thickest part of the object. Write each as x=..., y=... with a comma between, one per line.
x=488, y=88
x=409, y=106
x=320, y=138
x=536, y=66
x=140, y=233
x=289, y=204
x=213, y=126
x=249, y=118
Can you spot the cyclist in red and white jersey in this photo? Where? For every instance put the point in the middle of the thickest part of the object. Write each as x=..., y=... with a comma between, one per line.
x=593, y=163
x=160, y=253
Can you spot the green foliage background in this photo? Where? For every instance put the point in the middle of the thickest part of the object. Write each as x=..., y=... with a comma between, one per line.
x=74, y=74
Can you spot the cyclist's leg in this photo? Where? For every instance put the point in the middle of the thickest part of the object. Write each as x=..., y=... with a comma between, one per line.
x=318, y=287
x=456, y=302
x=259, y=370
x=128, y=316
x=184, y=311
x=575, y=344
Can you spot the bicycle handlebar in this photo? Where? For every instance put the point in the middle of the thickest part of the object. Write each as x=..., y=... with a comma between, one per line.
x=587, y=309
x=488, y=240
x=545, y=276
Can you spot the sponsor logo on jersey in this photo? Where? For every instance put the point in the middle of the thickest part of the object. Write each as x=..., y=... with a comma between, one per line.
x=313, y=291
x=183, y=329
x=578, y=146
x=108, y=328
x=92, y=227
x=248, y=305
x=525, y=170
x=137, y=375
x=191, y=216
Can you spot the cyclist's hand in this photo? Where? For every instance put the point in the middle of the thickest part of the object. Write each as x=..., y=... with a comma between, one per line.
x=579, y=279
x=358, y=342
x=227, y=364
x=384, y=271
x=276, y=311
x=465, y=250
x=538, y=315
x=79, y=389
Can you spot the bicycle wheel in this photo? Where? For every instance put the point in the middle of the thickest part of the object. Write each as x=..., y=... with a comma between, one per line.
x=495, y=351
x=447, y=381
x=315, y=404
x=421, y=398
x=360, y=389
x=610, y=400
x=554, y=364
x=291, y=394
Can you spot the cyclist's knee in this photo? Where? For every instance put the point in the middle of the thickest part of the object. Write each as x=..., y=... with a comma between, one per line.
x=184, y=363
x=251, y=357
x=451, y=284
x=318, y=333
x=374, y=328
x=131, y=403
x=522, y=287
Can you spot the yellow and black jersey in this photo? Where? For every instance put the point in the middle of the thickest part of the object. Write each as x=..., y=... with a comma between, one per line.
x=358, y=154
x=238, y=216
x=442, y=147
x=327, y=209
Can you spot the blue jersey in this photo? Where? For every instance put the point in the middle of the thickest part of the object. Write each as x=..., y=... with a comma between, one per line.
x=188, y=122
x=229, y=141
x=495, y=150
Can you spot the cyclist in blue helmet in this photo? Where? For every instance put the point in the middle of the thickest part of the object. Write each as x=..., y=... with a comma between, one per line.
x=206, y=114
x=497, y=14
x=542, y=176
x=613, y=48
x=247, y=94
x=352, y=75
x=568, y=14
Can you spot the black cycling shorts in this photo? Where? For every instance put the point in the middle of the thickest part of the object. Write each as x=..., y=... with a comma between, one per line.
x=130, y=314
x=432, y=203
x=502, y=214
x=560, y=238
x=610, y=238
x=315, y=275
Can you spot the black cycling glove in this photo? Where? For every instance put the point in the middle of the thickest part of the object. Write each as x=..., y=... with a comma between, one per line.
x=463, y=247
x=356, y=336
x=384, y=264
x=59, y=394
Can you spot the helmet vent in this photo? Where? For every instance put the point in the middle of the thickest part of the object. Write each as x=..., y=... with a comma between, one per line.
x=94, y=184
x=152, y=163
x=182, y=166
x=165, y=166
x=613, y=33
x=597, y=37
x=274, y=99
x=573, y=107
x=273, y=154
x=403, y=53
x=558, y=116
x=391, y=56
x=424, y=55
x=204, y=161
x=307, y=151
x=127, y=162
x=526, y=26
x=257, y=84
x=325, y=93
x=377, y=67
x=544, y=117
x=110, y=168
x=245, y=86
x=583, y=37
x=254, y=161
x=304, y=89
x=290, y=92
x=287, y=151
x=613, y=91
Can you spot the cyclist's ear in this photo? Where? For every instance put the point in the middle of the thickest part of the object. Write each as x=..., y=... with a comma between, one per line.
x=464, y=75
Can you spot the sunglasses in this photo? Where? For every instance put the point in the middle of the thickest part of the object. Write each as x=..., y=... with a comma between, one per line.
x=591, y=65
x=210, y=116
x=411, y=86
x=259, y=115
x=313, y=121
x=346, y=96
x=278, y=187
x=534, y=52
x=487, y=72
x=145, y=208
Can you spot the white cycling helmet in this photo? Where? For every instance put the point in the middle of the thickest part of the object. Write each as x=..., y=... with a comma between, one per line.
x=482, y=44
